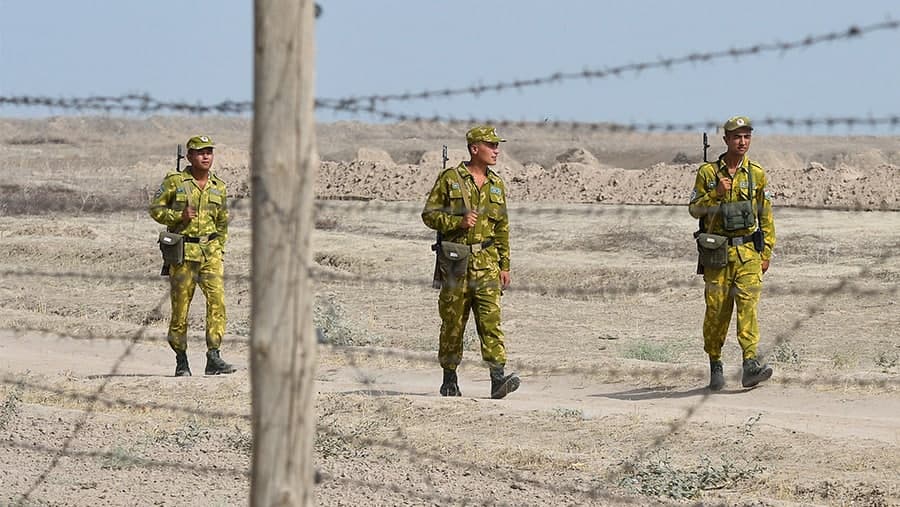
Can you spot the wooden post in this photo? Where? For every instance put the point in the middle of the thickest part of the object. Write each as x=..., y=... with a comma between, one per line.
x=283, y=344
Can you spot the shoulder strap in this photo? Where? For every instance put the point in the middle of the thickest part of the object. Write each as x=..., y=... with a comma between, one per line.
x=463, y=188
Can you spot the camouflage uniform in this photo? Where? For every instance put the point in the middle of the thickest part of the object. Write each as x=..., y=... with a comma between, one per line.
x=478, y=288
x=202, y=254
x=741, y=280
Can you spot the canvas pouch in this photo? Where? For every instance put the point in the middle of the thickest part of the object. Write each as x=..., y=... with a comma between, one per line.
x=454, y=260
x=738, y=215
x=172, y=247
x=713, y=250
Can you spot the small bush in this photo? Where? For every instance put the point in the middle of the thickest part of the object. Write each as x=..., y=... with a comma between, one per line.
x=10, y=408
x=887, y=359
x=786, y=354
x=657, y=477
x=650, y=352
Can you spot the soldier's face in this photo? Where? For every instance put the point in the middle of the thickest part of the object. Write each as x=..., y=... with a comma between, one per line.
x=738, y=141
x=201, y=159
x=486, y=153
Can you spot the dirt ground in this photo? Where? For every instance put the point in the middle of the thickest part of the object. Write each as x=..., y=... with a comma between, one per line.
x=602, y=322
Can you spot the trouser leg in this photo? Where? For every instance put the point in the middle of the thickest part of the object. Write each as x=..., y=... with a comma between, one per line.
x=747, y=289
x=486, y=309
x=213, y=287
x=182, y=283
x=453, y=306
x=719, y=305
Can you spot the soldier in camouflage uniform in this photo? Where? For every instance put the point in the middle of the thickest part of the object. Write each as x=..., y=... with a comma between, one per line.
x=193, y=203
x=734, y=182
x=467, y=206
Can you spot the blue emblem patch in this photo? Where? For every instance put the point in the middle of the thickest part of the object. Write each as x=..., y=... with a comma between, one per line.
x=496, y=190
x=454, y=186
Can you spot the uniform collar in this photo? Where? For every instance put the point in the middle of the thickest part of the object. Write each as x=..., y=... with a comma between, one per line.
x=745, y=163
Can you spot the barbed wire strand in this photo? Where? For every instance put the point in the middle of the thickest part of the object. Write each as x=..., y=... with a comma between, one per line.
x=735, y=53
x=86, y=414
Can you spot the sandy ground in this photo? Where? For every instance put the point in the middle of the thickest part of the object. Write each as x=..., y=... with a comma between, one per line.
x=602, y=321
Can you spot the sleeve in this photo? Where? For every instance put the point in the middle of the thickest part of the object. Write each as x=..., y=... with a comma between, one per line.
x=703, y=201
x=501, y=234
x=222, y=219
x=436, y=213
x=766, y=217
x=160, y=209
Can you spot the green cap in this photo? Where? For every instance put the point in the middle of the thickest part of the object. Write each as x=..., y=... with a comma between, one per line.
x=737, y=122
x=483, y=134
x=200, y=142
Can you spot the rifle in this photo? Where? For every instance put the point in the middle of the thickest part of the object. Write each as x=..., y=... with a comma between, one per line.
x=436, y=277
x=179, y=156
x=701, y=226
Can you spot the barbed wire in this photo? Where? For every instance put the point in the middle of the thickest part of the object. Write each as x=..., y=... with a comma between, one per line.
x=891, y=120
x=146, y=104
x=736, y=53
x=610, y=287
x=82, y=422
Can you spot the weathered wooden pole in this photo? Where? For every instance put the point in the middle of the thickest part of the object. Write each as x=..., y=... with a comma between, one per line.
x=283, y=344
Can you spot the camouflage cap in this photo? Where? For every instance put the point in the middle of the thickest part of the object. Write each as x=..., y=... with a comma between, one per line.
x=483, y=134
x=737, y=122
x=199, y=142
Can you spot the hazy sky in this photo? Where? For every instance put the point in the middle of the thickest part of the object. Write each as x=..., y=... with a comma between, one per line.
x=200, y=51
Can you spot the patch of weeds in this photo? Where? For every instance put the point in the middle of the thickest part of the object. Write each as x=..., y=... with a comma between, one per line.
x=568, y=413
x=785, y=353
x=117, y=458
x=887, y=359
x=750, y=423
x=657, y=477
x=190, y=434
x=841, y=361
x=335, y=327
x=240, y=440
x=650, y=352
x=327, y=223
x=338, y=444
x=11, y=406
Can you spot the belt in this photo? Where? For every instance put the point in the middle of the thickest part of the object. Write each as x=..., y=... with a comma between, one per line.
x=477, y=247
x=201, y=239
x=740, y=240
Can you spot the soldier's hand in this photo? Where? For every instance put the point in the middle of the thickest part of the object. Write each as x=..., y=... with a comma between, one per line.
x=469, y=220
x=504, y=280
x=723, y=187
x=765, y=265
x=188, y=214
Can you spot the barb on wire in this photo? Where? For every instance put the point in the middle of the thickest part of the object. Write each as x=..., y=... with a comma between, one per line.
x=851, y=32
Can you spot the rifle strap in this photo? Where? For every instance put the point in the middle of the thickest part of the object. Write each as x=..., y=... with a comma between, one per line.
x=186, y=187
x=464, y=188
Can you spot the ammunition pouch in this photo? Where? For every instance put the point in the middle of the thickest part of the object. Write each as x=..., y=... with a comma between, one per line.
x=713, y=250
x=172, y=247
x=454, y=261
x=737, y=215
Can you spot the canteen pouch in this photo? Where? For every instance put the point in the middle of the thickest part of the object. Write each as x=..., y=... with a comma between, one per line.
x=713, y=250
x=454, y=261
x=172, y=247
x=737, y=215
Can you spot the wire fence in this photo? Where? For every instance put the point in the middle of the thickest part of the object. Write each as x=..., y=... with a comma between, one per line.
x=854, y=284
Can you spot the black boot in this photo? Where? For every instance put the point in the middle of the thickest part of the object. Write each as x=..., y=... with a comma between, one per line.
x=716, y=376
x=754, y=373
x=181, y=365
x=450, y=386
x=215, y=365
x=501, y=384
